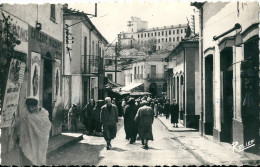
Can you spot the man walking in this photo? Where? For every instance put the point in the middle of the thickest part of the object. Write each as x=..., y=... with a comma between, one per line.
x=129, y=123
x=109, y=118
x=144, y=119
x=174, y=113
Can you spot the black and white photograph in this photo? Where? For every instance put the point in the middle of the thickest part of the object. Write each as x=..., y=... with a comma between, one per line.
x=129, y=83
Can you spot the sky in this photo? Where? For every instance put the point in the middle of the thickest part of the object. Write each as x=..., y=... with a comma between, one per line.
x=112, y=16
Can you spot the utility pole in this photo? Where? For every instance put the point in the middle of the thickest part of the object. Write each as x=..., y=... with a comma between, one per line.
x=117, y=51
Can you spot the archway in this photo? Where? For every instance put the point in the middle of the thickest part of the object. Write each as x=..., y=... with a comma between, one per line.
x=153, y=89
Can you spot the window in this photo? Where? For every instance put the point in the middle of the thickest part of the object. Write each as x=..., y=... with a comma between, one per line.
x=144, y=34
x=158, y=40
x=158, y=47
x=155, y=34
x=52, y=17
x=110, y=77
x=148, y=34
x=170, y=39
x=141, y=35
x=138, y=36
x=162, y=33
x=158, y=33
x=173, y=39
x=151, y=34
x=178, y=31
x=173, y=31
x=165, y=32
x=173, y=46
x=177, y=38
x=185, y=29
x=165, y=39
x=181, y=30
x=170, y=32
x=162, y=40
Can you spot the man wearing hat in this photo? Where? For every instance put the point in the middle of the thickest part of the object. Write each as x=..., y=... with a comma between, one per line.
x=34, y=133
x=129, y=123
x=109, y=118
x=144, y=119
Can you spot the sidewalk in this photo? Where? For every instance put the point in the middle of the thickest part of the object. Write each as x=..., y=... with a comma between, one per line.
x=58, y=142
x=205, y=149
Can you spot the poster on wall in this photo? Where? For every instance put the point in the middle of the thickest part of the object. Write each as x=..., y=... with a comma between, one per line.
x=12, y=92
x=57, y=78
x=35, y=74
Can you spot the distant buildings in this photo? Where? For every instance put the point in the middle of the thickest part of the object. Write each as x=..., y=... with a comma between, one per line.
x=157, y=38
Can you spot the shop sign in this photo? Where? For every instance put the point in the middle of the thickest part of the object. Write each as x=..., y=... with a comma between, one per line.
x=12, y=92
x=20, y=30
x=44, y=38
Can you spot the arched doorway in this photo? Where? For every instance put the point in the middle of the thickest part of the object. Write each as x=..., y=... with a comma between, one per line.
x=47, y=84
x=153, y=89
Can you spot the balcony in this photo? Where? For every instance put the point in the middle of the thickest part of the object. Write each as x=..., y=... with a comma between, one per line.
x=156, y=76
x=90, y=64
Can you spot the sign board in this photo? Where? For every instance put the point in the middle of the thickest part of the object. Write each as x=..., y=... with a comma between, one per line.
x=12, y=91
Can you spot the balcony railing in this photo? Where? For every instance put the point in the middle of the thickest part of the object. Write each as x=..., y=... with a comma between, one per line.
x=154, y=76
x=90, y=64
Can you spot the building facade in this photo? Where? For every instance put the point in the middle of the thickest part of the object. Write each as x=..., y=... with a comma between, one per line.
x=37, y=30
x=149, y=71
x=161, y=38
x=83, y=59
x=182, y=73
x=229, y=67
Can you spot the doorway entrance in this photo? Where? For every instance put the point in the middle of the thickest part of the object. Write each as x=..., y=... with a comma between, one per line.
x=153, y=89
x=208, y=120
x=47, y=85
x=226, y=61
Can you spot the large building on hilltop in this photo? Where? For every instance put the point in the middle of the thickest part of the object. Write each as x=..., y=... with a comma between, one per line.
x=157, y=38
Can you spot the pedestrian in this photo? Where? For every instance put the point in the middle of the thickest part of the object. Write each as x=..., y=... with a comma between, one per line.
x=160, y=109
x=174, y=108
x=109, y=119
x=129, y=122
x=34, y=132
x=167, y=109
x=96, y=116
x=73, y=117
x=88, y=117
x=144, y=120
x=124, y=104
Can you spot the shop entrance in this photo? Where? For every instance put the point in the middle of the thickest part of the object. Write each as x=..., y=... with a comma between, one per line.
x=226, y=59
x=47, y=85
x=208, y=120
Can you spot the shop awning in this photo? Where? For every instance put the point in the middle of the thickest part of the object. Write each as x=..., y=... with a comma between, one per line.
x=132, y=86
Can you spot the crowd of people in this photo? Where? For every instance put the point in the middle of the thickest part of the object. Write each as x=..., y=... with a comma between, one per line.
x=139, y=114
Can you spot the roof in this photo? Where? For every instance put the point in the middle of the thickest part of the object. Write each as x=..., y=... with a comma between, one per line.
x=112, y=84
x=70, y=12
x=163, y=28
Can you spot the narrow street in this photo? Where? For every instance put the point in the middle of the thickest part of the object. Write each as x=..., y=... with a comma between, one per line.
x=92, y=151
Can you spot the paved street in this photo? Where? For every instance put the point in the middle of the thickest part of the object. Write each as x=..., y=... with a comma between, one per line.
x=92, y=151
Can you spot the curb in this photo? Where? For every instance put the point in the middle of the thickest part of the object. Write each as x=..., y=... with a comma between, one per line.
x=196, y=155
x=65, y=145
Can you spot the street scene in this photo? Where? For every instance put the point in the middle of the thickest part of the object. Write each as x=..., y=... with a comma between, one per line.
x=130, y=84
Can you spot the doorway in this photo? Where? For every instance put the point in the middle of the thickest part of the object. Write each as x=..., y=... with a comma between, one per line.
x=209, y=120
x=226, y=60
x=47, y=85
